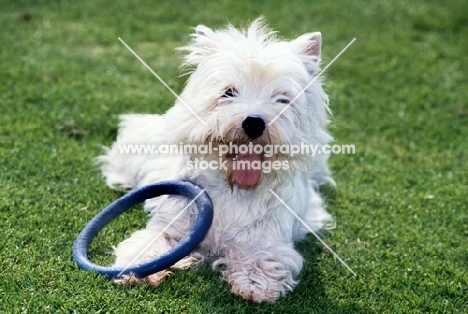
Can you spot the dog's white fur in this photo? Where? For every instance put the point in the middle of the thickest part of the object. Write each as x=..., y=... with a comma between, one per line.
x=252, y=233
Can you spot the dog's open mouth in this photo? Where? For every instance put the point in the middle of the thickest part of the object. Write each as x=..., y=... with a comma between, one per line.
x=246, y=173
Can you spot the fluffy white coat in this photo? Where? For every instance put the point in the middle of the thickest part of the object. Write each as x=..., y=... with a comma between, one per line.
x=252, y=235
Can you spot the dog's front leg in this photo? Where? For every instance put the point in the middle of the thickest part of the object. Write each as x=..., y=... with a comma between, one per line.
x=148, y=244
x=261, y=271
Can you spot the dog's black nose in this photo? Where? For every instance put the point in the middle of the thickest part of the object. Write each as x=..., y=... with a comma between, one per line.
x=253, y=126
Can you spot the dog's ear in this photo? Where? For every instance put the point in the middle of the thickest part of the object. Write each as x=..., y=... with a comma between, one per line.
x=203, y=44
x=309, y=44
x=202, y=30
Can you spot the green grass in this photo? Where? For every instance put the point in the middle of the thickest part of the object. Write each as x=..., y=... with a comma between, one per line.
x=399, y=94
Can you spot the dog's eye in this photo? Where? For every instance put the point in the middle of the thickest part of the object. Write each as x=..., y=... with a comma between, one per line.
x=282, y=101
x=282, y=98
x=229, y=93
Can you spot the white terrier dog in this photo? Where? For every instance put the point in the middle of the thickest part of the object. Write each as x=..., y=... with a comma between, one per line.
x=241, y=81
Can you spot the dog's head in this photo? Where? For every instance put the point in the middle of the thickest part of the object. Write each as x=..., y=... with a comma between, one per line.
x=247, y=86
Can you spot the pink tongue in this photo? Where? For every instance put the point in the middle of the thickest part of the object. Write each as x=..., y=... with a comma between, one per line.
x=244, y=173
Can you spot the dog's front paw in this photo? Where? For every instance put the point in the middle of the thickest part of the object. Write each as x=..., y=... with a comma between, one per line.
x=254, y=290
x=260, y=274
x=151, y=280
x=143, y=246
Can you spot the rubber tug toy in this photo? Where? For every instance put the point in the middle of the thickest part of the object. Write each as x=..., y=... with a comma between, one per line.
x=166, y=260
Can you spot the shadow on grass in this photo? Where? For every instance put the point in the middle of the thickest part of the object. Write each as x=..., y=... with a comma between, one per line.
x=212, y=295
x=328, y=194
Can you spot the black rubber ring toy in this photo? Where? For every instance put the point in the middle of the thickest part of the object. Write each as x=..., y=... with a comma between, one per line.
x=166, y=260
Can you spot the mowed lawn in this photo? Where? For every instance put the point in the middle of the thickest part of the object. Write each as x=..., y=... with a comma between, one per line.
x=399, y=94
